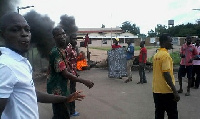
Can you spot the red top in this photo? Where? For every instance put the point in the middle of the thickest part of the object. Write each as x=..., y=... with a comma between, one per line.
x=143, y=51
x=189, y=51
x=116, y=46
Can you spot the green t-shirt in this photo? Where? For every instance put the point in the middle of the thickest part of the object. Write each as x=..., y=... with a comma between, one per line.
x=56, y=83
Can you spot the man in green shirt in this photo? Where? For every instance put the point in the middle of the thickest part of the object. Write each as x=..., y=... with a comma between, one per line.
x=58, y=82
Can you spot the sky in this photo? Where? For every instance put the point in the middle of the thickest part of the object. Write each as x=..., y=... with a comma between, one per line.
x=146, y=14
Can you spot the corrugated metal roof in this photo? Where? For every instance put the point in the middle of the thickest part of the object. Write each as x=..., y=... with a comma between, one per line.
x=98, y=30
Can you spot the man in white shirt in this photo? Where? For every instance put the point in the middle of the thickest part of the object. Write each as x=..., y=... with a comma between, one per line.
x=18, y=97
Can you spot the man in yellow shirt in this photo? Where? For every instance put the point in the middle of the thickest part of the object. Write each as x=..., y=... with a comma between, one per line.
x=164, y=91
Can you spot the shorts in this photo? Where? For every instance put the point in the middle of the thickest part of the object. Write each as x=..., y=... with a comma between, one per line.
x=183, y=70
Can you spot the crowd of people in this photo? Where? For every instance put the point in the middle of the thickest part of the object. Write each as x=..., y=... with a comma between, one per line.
x=18, y=93
x=18, y=96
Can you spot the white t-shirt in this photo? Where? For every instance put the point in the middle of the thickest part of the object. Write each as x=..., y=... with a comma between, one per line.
x=197, y=62
x=17, y=85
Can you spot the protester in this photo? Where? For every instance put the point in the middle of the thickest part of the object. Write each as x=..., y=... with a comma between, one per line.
x=187, y=53
x=18, y=97
x=142, y=63
x=164, y=91
x=58, y=81
x=87, y=39
x=116, y=44
x=196, y=67
x=71, y=51
x=129, y=58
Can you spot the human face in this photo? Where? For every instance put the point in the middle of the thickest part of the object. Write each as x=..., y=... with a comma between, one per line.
x=188, y=41
x=17, y=34
x=141, y=44
x=197, y=42
x=168, y=43
x=61, y=38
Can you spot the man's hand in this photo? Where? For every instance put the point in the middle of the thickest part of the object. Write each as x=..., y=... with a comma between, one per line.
x=88, y=83
x=182, y=55
x=190, y=61
x=176, y=97
x=76, y=96
x=142, y=64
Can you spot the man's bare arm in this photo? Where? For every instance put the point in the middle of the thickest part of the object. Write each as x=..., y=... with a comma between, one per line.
x=71, y=77
x=168, y=79
x=3, y=102
x=49, y=98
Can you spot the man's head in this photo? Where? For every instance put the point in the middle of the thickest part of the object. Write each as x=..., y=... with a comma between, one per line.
x=142, y=44
x=128, y=41
x=166, y=41
x=60, y=37
x=73, y=39
x=116, y=40
x=188, y=40
x=15, y=31
x=197, y=41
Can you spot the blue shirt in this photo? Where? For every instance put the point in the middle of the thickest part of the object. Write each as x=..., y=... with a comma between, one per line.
x=130, y=52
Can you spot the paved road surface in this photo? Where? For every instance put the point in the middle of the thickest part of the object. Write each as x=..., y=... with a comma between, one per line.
x=113, y=99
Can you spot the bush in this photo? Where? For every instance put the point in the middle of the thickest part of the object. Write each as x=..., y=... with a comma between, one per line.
x=175, y=57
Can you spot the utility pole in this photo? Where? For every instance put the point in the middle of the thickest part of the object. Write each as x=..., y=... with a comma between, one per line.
x=198, y=20
x=19, y=8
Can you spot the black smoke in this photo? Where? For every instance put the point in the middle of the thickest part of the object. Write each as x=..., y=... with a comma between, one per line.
x=41, y=30
x=68, y=24
x=8, y=6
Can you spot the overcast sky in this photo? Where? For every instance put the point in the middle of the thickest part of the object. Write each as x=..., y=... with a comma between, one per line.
x=146, y=14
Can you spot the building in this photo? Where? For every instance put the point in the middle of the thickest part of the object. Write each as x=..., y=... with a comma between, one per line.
x=104, y=36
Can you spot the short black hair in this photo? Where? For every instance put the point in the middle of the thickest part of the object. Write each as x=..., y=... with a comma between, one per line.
x=163, y=38
x=7, y=19
x=55, y=30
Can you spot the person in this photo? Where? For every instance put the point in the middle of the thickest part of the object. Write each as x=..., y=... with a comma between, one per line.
x=87, y=39
x=59, y=76
x=187, y=53
x=82, y=62
x=71, y=51
x=196, y=67
x=129, y=58
x=18, y=96
x=163, y=84
x=116, y=44
x=142, y=63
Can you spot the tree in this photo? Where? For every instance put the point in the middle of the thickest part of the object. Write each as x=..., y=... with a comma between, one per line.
x=160, y=29
x=132, y=28
x=102, y=26
x=151, y=33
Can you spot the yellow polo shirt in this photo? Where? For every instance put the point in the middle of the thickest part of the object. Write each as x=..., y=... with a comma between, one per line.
x=162, y=62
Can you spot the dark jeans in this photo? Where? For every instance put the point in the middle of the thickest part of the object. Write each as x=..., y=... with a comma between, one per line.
x=165, y=102
x=183, y=70
x=195, y=76
x=142, y=73
x=60, y=111
x=72, y=90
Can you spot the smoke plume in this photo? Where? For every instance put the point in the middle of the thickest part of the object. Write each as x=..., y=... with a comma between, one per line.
x=41, y=28
x=8, y=6
x=68, y=24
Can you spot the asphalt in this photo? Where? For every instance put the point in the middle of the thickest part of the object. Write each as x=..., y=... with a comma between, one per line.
x=111, y=98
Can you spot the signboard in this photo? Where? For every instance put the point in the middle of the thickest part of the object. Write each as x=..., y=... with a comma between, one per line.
x=117, y=63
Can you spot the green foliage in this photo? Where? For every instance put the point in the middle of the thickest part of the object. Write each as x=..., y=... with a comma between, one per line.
x=175, y=57
x=181, y=30
x=132, y=28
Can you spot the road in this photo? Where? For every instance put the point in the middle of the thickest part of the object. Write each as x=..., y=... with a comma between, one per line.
x=111, y=98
